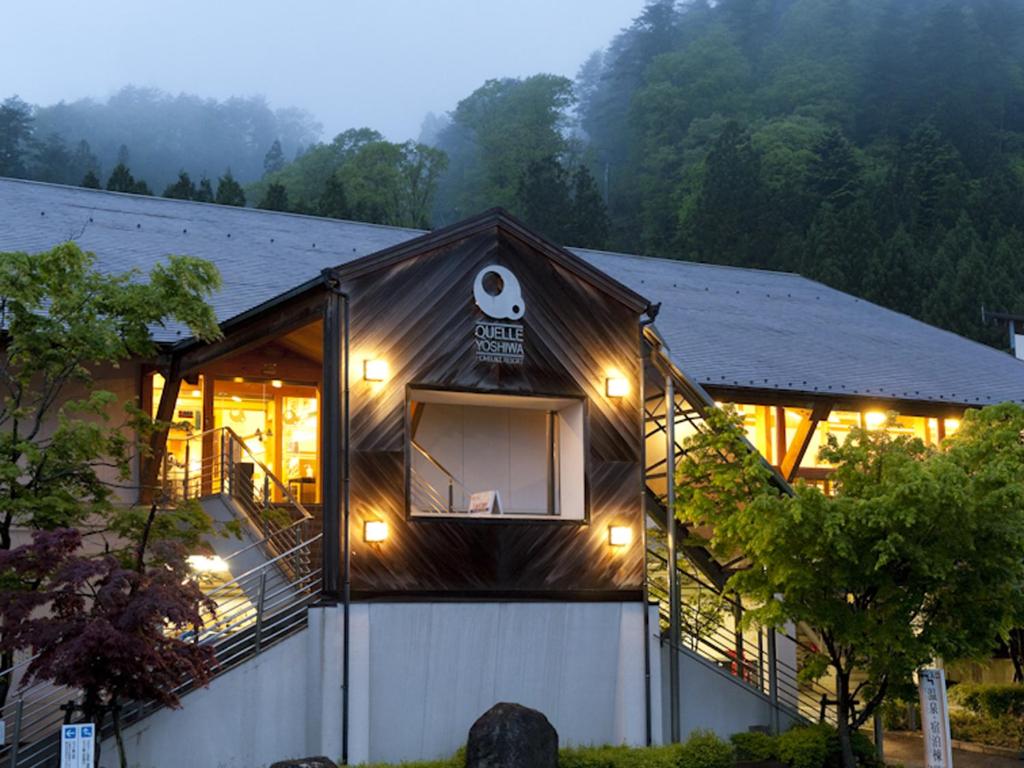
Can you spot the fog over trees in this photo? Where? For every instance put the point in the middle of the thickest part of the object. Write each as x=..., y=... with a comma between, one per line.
x=875, y=145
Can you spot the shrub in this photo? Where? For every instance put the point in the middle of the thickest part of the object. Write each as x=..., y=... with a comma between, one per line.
x=705, y=750
x=990, y=700
x=754, y=745
x=805, y=747
x=1004, y=731
x=619, y=757
x=896, y=715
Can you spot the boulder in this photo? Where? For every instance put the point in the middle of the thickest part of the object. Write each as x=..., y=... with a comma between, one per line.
x=512, y=736
x=306, y=762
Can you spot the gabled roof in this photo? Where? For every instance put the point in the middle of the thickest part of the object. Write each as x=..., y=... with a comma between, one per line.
x=726, y=328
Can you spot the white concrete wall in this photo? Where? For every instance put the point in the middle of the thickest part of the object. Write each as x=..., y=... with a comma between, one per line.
x=248, y=717
x=711, y=699
x=421, y=673
x=435, y=667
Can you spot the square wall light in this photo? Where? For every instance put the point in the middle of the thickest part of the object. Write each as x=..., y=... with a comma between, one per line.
x=620, y=535
x=616, y=386
x=375, y=370
x=375, y=531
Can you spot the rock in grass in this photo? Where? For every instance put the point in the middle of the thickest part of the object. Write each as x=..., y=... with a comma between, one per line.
x=306, y=762
x=512, y=736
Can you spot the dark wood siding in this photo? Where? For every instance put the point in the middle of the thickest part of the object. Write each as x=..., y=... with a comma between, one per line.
x=419, y=316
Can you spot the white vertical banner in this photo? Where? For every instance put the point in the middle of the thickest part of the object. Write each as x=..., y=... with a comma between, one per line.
x=77, y=745
x=938, y=747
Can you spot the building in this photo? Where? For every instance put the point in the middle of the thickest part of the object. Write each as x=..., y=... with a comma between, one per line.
x=449, y=452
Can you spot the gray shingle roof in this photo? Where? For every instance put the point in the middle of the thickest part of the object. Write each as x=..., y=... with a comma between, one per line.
x=726, y=327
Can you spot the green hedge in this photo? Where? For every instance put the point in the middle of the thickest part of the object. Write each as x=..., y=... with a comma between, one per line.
x=619, y=757
x=815, y=746
x=1005, y=731
x=988, y=699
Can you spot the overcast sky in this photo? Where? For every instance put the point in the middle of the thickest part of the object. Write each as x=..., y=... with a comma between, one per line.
x=380, y=63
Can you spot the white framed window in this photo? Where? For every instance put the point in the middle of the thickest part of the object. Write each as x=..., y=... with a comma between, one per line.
x=485, y=455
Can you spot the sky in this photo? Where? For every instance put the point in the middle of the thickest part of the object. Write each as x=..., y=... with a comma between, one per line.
x=350, y=63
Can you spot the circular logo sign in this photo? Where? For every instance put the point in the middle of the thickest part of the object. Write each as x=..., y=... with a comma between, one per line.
x=498, y=294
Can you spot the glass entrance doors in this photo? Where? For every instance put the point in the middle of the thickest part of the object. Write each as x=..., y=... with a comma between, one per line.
x=279, y=424
x=277, y=420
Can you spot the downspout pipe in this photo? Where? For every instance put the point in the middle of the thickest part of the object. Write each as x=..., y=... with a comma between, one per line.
x=651, y=312
x=337, y=394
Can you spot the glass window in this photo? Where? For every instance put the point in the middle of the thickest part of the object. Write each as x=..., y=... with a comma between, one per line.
x=482, y=455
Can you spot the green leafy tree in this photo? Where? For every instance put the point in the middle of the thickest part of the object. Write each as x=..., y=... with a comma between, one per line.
x=15, y=136
x=589, y=217
x=542, y=198
x=121, y=180
x=229, y=191
x=66, y=453
x=275, y=198
x=183, y=189
x=333, y=202
x=917, y=556
x=204, y=192
x=495, y=133
x=273, y=161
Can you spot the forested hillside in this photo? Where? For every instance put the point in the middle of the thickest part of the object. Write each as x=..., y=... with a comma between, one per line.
x=876, y=145
x=154, y=134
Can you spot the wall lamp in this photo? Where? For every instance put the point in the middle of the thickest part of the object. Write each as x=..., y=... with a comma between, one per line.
x=616, y=386
x=375, y=531
x=375, y=370
x=620, y=535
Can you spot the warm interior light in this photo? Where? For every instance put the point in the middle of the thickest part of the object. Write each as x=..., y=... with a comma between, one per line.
x=616, y=386
x=875, y=419
x=207, y=564
x=236, y=399
x=197, y=393
x=276, y=383
x=375, y=531
x=238, y=380
x=375, y=370
x=620, y=535
x=952, y=425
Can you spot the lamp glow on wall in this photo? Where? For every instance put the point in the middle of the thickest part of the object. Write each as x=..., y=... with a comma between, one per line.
x=375, y=370
x=375, y=531
x=616, y=386
x=875, y=419
x=620, y=535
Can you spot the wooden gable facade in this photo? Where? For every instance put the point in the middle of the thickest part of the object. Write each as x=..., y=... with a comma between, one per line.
x=414, y=309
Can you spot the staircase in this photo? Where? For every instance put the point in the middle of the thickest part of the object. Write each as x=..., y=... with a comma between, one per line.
x=274, y=579
x=710, y=619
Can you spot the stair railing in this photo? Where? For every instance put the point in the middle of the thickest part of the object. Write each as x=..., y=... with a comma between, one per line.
x=255, y=610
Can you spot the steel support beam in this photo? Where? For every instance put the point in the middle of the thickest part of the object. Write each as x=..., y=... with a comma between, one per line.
x=674, y=605
x=331, y=446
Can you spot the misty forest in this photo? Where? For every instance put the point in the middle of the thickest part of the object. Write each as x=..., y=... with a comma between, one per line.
x=874, y=145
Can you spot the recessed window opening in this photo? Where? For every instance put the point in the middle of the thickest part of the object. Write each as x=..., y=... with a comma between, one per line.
x=482, y=455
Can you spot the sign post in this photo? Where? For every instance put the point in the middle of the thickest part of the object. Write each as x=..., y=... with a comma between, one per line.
x=938, y=749
x=77, y=745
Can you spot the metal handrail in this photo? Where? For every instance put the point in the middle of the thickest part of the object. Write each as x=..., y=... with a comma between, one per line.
x=717, y=645
x=35, y=711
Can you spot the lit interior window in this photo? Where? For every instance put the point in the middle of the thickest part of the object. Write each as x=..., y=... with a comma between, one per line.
x=481, y=455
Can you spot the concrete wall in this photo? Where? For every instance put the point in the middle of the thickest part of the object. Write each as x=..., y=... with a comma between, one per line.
x=248, y=717
x=421, y=674
x=435, y=667
x=711, y=699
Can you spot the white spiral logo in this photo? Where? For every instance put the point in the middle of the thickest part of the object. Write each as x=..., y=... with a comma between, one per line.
x=498, y=294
